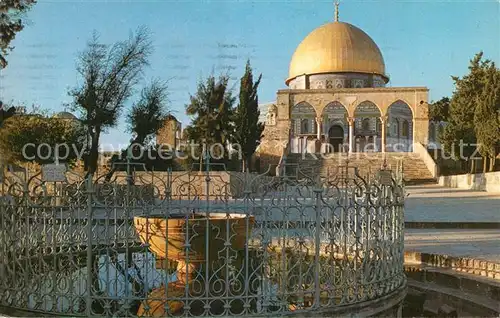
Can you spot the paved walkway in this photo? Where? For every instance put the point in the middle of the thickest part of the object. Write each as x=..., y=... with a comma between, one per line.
x=432, y=203
x=479, y=244
x=438, y=204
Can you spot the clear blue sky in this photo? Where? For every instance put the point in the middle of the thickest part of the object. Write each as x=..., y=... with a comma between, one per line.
x=423, y=42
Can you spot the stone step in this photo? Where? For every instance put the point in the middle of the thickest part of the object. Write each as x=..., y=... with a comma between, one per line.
x=414, y=169
x=430, y=308
x=434, y=308
x=453, y=225
x=464, y=303
x=414, y=303
x=420, y=181
x=450, y=292
x=467, y=283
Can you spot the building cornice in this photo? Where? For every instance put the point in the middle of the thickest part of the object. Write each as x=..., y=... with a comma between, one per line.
x=354, y=90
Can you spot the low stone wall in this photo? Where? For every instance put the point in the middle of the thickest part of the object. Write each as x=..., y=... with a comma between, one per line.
x=461, y=264
x=426, y=158
x=184, y=185
x=489, y=182
x=180, y=184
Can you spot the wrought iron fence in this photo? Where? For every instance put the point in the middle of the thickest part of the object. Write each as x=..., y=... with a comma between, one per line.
x=199, y=243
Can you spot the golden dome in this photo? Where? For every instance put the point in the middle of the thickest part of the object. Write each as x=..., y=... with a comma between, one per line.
x=337, y=47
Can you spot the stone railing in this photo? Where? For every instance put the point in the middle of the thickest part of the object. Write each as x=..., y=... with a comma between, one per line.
x=489, y=182
x=285, y=151
x=426, y=158
x=183, y=184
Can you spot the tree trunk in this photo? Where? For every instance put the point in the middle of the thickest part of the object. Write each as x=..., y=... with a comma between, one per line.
x=485, y=164
x=248, y=163
x=472, y=166
x=492, y=163
x=245, y=161
x=94, y=151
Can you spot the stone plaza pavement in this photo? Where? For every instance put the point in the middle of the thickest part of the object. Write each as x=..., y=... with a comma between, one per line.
x=437, y=204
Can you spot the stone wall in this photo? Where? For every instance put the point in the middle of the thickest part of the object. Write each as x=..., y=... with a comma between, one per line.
x=167, y=134
x=424, y=155
x=489, y=182
x=350, y=98
x=336, y=80
x=184, y=185
x=275, y=136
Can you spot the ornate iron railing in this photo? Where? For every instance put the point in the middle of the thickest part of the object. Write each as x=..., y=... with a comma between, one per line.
x=199, y=243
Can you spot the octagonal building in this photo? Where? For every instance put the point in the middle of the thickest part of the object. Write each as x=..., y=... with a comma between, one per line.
x=337, y=101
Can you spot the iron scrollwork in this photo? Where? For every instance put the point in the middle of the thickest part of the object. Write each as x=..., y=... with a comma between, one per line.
x=199, y=243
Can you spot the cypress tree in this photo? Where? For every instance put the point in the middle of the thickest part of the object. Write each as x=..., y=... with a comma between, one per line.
x=248, y=130
x=460, y=131
x=486, y=121
x=212, y=109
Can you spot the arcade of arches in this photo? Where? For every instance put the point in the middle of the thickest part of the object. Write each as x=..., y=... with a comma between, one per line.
x=339, y=132
x=348, y=120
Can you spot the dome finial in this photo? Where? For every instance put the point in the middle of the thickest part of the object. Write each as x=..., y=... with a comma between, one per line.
x=337, y=3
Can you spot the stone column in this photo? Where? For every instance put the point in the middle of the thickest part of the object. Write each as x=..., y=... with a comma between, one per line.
x=319, y=124
x=383, y=120
x=319, y=120
x=413, y=138
x=421, y=123
x=351, y=120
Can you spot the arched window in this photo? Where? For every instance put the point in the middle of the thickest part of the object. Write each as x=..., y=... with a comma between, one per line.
x=405, y=129
x=303, y=114
x=432, y=132
x=365, y=124
x=304, y=126
x=395, y=128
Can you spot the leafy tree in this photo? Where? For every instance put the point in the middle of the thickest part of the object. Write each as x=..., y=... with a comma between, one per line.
x=108, y=78
x=486, y=117
x=439, y=111
x=145, y=118
x=459, y=135
x=6, y=113
x=212, y=111
x=22, y=135
x=11, y=23
x=248, y=130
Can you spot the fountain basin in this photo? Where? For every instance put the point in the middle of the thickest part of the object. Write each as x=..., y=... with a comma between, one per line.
x=185, y=238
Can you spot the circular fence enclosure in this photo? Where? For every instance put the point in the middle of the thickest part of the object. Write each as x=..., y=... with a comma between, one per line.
x=203, y=244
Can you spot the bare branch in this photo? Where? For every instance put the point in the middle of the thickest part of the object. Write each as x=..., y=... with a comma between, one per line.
x=109, y=77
